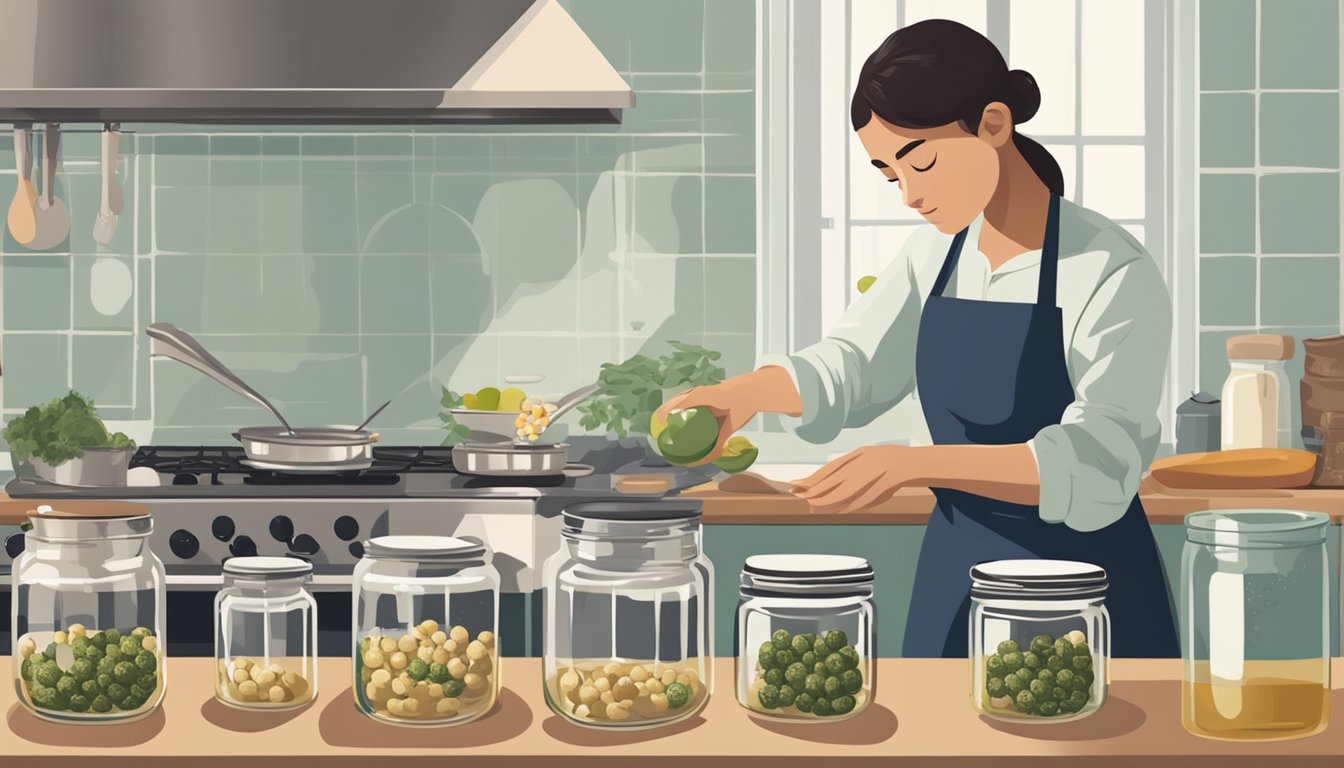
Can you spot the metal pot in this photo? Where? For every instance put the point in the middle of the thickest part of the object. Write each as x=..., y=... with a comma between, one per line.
x=98, y=466
x=510, y=459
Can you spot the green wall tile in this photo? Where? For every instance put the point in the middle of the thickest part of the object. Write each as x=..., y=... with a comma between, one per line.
x=665, y=113
x=327, y=146
x=1227, y=290
x=1227, y=130
x=1226, y=213
x=462, y=154
x=594, y=352
x=668, y=214
x=733, y=113
x=730, y=214
x=598, y=312
x=182, y=215
x=657, y=288
x=86, y=315
x=1299, y=129
x=543, y=306
x=280, y=219
x=394, y=294
x=388, y=221
x=235, y=214
x=460, y=193
x=730, y=295
x=554, y=356
x=329, y=220
x=1299, y=213
x=646, y=82
x=546, y=155
x=397, y=147
x=104, y=367
x=235, y=171
x=235, y=145
x=181, y=161
x=667, y=154
x=730, y=43
x=467, y=363
x=277, y=170
x=325, y=171
x=36, y=368
x=607, y=152
x=331, y=293
x=462, y=297
x=182, y=305
x=280, y=144
x=1299, y=291
x=1213, y=365
x=645, y=35
x=730, y=154
x=738, y=351
x=1227, y=45
x=37, y=293
x=398, y=367
x=1299, y=44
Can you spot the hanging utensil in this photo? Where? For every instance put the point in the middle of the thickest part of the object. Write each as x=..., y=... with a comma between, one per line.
x=22, y=212
x=52, y=215
x=371, y=416
x=115, y=199
x=105, y=221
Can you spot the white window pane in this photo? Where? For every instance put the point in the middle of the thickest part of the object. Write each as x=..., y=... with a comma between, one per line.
x=1137, y=231
x=1041, y=38
x=1113, y=181
x=871, y=22
x=1113, y=67
x=1067, y=157
x=968, y=12
x=873, y=248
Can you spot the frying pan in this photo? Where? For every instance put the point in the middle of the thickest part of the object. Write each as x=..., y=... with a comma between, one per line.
x=282, y=448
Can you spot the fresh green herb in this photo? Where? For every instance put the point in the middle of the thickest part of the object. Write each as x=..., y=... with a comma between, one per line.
x=629, y=392
x=61, y=430
x=456, y=432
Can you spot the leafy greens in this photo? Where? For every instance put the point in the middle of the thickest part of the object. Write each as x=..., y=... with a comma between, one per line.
x=61, y=430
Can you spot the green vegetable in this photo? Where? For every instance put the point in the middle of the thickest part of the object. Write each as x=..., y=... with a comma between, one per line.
x=117, y=692
x=1008, y=646
x=93, y=653
x=738, y=455
x=112, y=637
x=809, y=659
x=795, y=674
x=1063, y=649
x=1025, y=675
x=1024, y=701
x=125, y=672
x=101, y=703
x=1012, y=661
x=1042, y=644
x=1031, y=661
x=47, y=698
x=60, y=431
x=1040, y=689
x=79, y=645
x=1078, y=700
x=774, y=676
x=628, y=393
x=67, y=685
x=691, y=435
x=454, y=688
x=814, y=684
x=851, y=681
x=832, y=687
x=822, y=708
x=766, y=656
x=783, y=659
x=850, y=656
x=787, y=695
x=105, y=666
x=1064, y=679
x=50, y=652
x=113, y=652
x=1046, y=676
x=104, y=680
x=769, y=696
x=820, y=648
x=1047, y=709
x=418, y=670
x=804, y=702
x=843, y=705
x=996, y=687
x=1055, y=663
x=678, y=695
x=801, y=644
x=438, y=673
x=47, y=674
x=457, y=433
x=89, y=688
x=26, y=669
x=82, y=670
x=836, y=639
x=148, y=681
x=1059, y=694
x=1013, y=683
x=781, y=640
x=79, y=703
x=98, y=640
x=130, y=647
x=820, y=669
x=1081, y=662
x=129, y=704
x=835, y=664
x=147, y=661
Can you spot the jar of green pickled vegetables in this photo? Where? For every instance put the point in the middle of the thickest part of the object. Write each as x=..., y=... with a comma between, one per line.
x=805, y=625
x=88, y=614
x=1039, y=639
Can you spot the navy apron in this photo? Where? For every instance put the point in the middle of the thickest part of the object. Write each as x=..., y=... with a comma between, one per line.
x=994, y=373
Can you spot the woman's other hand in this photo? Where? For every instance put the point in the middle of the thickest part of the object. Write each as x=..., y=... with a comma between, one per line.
x=737, y=401
x=858, y=480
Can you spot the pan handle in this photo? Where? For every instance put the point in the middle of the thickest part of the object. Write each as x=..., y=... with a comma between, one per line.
x=167, y=340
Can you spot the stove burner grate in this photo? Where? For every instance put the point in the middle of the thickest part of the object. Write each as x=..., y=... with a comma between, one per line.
x=198, y=465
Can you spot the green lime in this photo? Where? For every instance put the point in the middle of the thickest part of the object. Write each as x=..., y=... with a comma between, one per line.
x=690, y=436
x=866, y=282
x=738, y=455
x=511, y=400
x=487, y=399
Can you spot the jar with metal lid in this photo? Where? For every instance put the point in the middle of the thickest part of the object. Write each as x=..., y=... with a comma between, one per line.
x=1257, y=399
x=806, y=636
x=88, y=614
x=266, y=634
x=628, y=614
x=426, y=612
x=1040, y=639
x=1255, y=587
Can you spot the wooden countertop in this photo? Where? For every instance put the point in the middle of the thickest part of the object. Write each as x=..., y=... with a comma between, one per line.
x=920, y=717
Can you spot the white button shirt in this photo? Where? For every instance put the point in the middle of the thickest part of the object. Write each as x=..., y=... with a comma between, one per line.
x=1117, y=331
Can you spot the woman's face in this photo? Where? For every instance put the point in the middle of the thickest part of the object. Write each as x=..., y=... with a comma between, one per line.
x=945, y=173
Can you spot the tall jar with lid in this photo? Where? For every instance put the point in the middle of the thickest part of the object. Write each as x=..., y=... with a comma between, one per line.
x=88, y=614
x=1255, y=588
x=426, y=612
x=628, y=615
x=1257, y=398
x=1040, y=640
x=266, y=634
x=807, y=637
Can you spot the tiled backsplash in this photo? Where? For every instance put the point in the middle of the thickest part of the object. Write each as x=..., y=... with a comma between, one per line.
x=1270, y=185
x=336, y=268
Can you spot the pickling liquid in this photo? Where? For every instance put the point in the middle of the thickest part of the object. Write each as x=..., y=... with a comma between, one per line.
x=1273, y=700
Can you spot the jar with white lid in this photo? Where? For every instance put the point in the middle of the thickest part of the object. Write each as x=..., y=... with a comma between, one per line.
x=1040, y=639
x=266, y=634
x=628, y=615
x=426, y=612
x=1257, y=398
x=1255, y=587
x=88, y=609
x=807, y=637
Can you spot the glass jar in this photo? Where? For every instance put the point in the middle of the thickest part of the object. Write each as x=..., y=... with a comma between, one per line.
x=628, y=618
x=1255, y=588
x=266, y=634
x=1257, y=398
x=88, y=614
x=806, y=636
x=1040, y=639
x=426, y=612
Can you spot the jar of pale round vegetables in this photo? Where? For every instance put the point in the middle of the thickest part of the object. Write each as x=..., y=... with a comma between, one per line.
x=426, y=612
x=88, y=614
x=628, y=616
x=806, y=628
x=266, y=634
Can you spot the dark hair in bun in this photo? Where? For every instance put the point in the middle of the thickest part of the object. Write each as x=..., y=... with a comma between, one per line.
x=937, y=72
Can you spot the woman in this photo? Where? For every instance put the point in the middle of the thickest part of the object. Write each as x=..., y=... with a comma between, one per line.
x=1037, y=330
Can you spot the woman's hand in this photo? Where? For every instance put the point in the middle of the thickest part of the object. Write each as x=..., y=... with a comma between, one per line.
x=729, y=402
x=859, y=479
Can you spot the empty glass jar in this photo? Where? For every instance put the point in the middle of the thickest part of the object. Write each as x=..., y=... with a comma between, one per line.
x=426, y=612
x=1255, y=587
x=805, y=628
x=88, y=614
x=266, y=634
x=1040, y=639
x=628, y=619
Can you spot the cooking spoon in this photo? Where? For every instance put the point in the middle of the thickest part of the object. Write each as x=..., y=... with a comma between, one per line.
x=105, y=220
x=53, y=217
x=22, y=215
x=563, y=405
x=370, y=417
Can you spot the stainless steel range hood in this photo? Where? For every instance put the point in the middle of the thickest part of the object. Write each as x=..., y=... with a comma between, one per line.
x=302, y=61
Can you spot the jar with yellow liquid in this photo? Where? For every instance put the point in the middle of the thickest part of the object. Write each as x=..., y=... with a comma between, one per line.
x=1255, y=606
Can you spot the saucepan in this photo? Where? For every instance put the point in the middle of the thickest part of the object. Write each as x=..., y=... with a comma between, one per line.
x=280, y=448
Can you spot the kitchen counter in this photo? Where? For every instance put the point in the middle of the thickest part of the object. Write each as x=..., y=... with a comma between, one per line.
x=919, y=717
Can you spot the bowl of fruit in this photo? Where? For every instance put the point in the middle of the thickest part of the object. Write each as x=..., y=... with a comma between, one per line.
x=492, y=415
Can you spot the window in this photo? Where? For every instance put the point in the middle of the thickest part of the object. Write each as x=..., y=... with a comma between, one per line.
x=1106, y=116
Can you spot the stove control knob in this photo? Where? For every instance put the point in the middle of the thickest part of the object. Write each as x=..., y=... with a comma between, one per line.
x=243, y=546
x=184, y=544
x=282, y=529
x=223, y=528
x=304, y=545
x=346, y=527
x=14, y=543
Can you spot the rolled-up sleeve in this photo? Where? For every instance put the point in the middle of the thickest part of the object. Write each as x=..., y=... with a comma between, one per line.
x=1090, y=464
x=867, y=363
